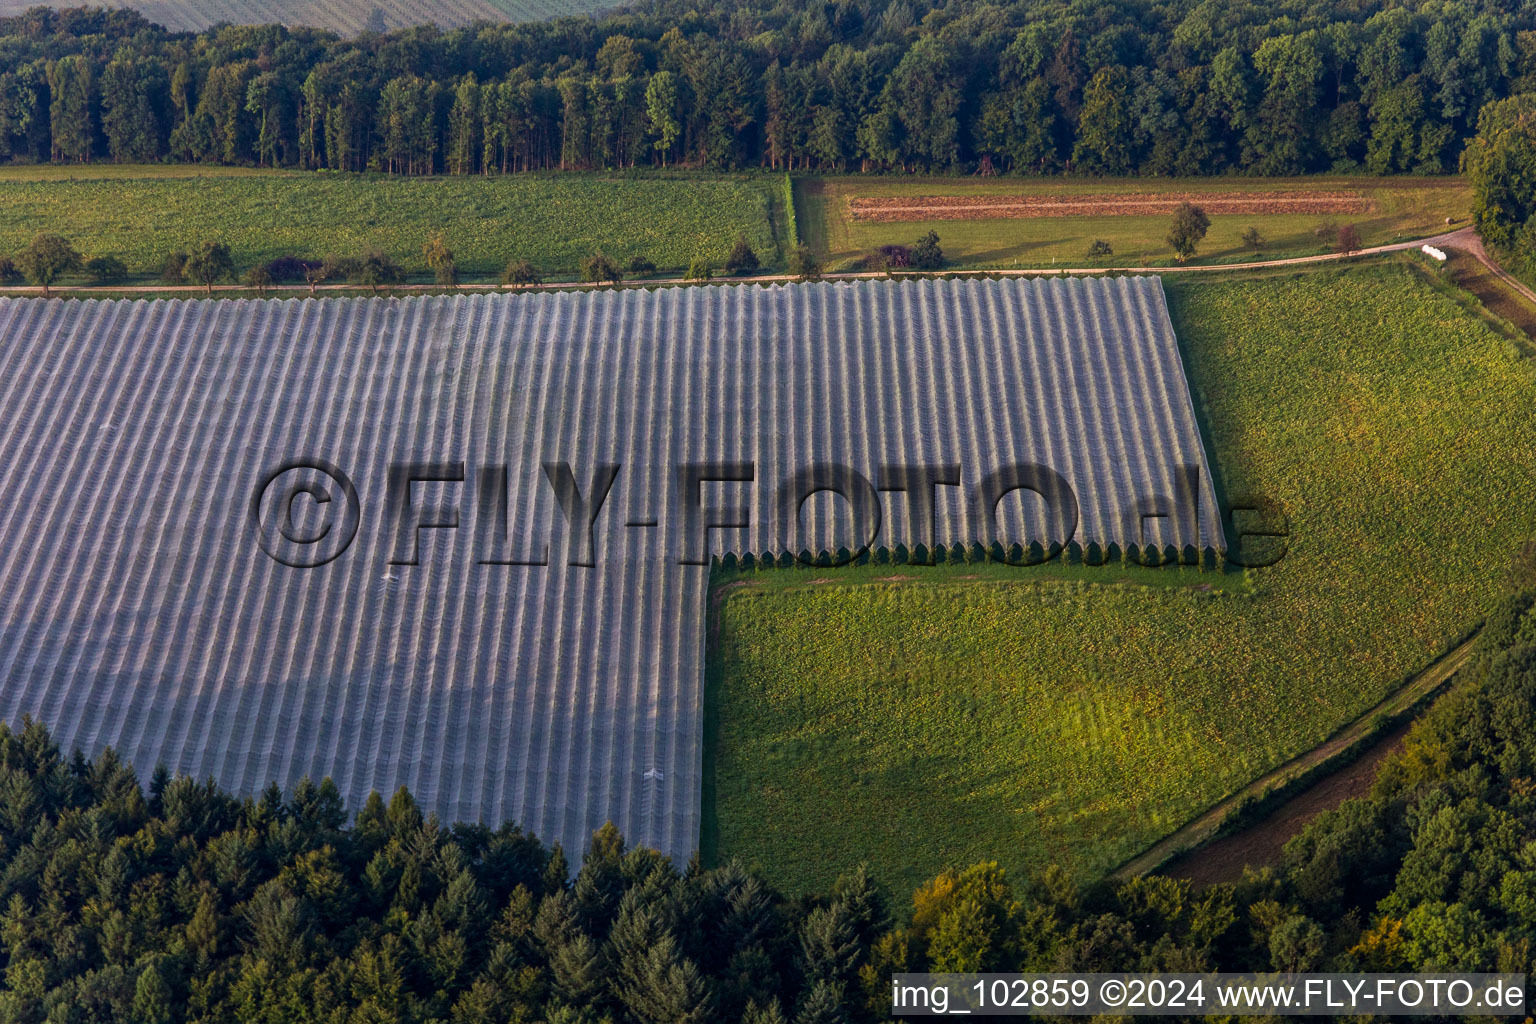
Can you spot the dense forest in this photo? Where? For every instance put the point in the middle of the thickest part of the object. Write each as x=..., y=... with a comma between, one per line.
x=1501, y=163
x=185, y=904
x=1026, y=86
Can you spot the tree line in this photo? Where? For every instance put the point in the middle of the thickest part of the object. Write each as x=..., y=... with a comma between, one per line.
x=1501, y=163
x=1046, y=86
x=183, y=903
x=49, y=258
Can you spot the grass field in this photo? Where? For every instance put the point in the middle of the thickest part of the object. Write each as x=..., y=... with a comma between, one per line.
x=939, y=721
x=141, y=214
x=1400, y=208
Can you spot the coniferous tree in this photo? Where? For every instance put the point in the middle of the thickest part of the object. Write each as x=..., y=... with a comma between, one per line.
x=271, y=905
x=742, y=259
x=823, y=1005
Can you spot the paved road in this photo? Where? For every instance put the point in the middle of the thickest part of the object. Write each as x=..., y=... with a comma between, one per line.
x=1464, y=238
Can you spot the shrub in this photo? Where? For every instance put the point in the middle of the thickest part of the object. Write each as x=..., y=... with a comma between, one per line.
x=700, y=270
x=105, y=269
x=926, y=254
x=599, y=268
x=291, y=268
x=641, y=265
x=1100, y=248
x=336, y=268
x=889, y=258
x=174, y=269
x=440, y=260
x=804, y=263
x=742, y=259
x=1348, y=239
x=376, y=269
x=1253, y=240
x=1326, y=231
x=258, y=277
x=520, y=272
x=8, y=271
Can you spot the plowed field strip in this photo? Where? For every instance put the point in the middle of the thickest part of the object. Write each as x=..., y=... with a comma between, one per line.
x=904, y=208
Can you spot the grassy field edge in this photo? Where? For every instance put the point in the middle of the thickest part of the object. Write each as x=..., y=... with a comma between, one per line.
x=1249, y=804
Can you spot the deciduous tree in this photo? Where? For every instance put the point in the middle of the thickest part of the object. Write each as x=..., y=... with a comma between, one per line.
x=1190, y=224
x=209, y=263
x=46, y=259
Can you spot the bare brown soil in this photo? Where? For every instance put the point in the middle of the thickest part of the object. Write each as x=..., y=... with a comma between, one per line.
x=1005, y=207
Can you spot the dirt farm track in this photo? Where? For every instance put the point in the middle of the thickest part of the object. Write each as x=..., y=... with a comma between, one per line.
x=890, y=209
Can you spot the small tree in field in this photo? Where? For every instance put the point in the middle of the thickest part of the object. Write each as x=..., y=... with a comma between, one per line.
x=1189, y=227
x=598, y=268
x=926, y=254
x=376, y=269
x=1349, y=239
x=742, y=259
x=440, y=260
x=337, y=268
x=804, y=263
x=259, y=278
x=1100, y=249
x=520, y=272
x=174, y=269
x=1253, y=240
x=8, y=271
x=700, y=270
x=316, y=273
x=208, y=263
x=46, y=259
x=106, y=269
